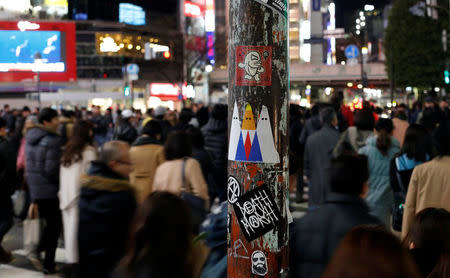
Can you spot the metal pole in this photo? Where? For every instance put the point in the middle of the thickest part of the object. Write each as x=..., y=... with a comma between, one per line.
x=258, y=173
x=392, y=74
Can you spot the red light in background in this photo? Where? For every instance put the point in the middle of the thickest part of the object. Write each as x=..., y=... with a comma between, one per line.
x=105, y=75
x=192, y=9
x=167, y=54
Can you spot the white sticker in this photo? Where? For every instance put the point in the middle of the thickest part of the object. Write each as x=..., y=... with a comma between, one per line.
x=259, y=263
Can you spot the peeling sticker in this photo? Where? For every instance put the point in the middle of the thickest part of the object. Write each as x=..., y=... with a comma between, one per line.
x=254, y=66
x=278, y=6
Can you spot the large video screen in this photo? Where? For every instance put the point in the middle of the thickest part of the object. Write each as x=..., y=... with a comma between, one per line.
x=131, y=14
x=31, y=50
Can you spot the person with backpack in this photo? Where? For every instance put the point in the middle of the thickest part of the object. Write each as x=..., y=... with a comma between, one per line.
x=415, y=151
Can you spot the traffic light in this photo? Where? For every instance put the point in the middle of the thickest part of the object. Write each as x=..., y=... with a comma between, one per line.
x=447, y=77
x=126, y=90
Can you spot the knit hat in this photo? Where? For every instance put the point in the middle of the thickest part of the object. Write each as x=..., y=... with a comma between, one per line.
x=160, y=111
x=127, y=113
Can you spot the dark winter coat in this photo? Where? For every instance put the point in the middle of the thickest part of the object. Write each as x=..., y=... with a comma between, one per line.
x=206, y=161
x=125, y=132
x=215, y=228
x=7, y=175
x=43, y=154
x=311, y=126
x=107, y=205
x=318, y=154
x=215, y=133
x=100, y=125
x=315, y=237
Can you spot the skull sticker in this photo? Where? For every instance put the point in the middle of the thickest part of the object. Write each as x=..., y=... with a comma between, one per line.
x=259, y=263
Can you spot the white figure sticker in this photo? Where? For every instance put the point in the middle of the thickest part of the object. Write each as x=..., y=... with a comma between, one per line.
x=250, y=142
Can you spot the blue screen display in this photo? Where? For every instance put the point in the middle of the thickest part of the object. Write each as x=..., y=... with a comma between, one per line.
x=131, y=14
x=21, y=47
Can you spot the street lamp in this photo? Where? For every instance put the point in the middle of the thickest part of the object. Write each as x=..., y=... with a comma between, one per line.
x=37, y=63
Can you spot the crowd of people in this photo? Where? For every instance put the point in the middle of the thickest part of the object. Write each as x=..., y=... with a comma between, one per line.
x=129, y=192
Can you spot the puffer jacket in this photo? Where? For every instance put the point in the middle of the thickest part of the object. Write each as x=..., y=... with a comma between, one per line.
x=43, y=154
x=215, y=133
x=107, y=205
x=380, y=197
x=314, y=238
x=125, y=132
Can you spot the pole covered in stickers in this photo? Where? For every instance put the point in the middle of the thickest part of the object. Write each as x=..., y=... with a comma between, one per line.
x=258, y=176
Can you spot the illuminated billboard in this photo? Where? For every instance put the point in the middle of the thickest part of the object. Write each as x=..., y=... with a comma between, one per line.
x=31, y=47
x=31, y=50
x=131, y=14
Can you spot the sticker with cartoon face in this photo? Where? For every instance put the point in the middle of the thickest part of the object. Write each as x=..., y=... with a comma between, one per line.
x=259, y=263
x=254, y=66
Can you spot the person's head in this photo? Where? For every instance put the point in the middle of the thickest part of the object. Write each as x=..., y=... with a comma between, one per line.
x=428, y=102
x=328, y=116
x=49, y=118
x=153, y=129
x=401, y=114
x=349, y=174
x=383, y=130
x=115, y=155
x=196, y=136
x=171, y=117
x=364, y=120
x=159, y=112
x=294, y=110
x=82, y=136
x=127, y=115
x=186, y=115
x=2, y=127
x=429, y=235
x=6, y=108
x=441, y=138
x=160, y=235
x=178, y=145
x=26, y=111
x=30, y=122
x=371, y=252
x=430, y=230
x=444, y=104
x=417, y=143
x=220, y=112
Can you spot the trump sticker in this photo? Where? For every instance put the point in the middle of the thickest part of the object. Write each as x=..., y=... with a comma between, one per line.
x=254, y=66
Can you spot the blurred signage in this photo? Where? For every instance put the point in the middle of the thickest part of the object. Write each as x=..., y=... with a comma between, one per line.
x=131, y=14
x=60, y=3
x=210, y=19
x=81, y=16
x=210, y=47
x=155, y=51
x=31, y=47
x=351, y=51
x=167, y=91
x=26, y=25
x=192, y=9
x=316, y=5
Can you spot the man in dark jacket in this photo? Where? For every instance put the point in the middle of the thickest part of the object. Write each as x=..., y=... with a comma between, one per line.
x=317, y=156
x=107, y=205
x=315, y=237
x=100, y=126
x=215, y=133
x=43, y=153
x=312, y=125
x=7, y=186
x=126, y=131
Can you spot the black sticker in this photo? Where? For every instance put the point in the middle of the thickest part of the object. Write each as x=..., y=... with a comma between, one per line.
x=279, y=6
x=257, y=212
